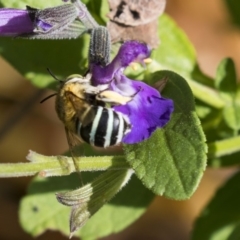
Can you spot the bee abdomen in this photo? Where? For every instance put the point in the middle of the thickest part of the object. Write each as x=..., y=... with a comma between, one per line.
x=107, y=128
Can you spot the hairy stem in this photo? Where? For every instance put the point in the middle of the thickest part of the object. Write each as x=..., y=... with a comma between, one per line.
x=224, y=147
x=48, y=166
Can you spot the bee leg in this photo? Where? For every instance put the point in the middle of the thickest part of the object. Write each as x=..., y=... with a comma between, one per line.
x=91, y=90
x=95, y=90
x=112, y=97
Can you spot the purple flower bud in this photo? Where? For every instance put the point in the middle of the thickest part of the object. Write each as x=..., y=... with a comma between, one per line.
x=50, y=23
x=15, y=22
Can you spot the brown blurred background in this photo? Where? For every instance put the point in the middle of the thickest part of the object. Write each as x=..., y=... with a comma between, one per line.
x=207, y=25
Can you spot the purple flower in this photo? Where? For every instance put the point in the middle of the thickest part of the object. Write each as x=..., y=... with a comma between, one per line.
x=50, y=23
x=15, y=22
x=147, y=110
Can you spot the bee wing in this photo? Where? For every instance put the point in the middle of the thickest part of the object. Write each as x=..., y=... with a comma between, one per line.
x=74, y=142
x=88, y=116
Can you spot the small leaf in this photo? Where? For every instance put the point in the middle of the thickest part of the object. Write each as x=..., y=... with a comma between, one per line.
x=220, y=219
x=226, y=79
x=172, y=161
x=232, y=115
x=226, y=83
x=39, y=210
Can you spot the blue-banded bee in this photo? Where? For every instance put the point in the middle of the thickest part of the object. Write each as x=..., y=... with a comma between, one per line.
x=81, y=108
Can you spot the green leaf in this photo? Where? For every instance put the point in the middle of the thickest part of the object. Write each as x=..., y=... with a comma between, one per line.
x=99, y=10
x=33, y=3
x=226, y=83
x=39, y=210
x=176, y=53
x=175, y=50
x=203, y=110
x=234, y=8
x=32, y=57
x=172, y=161
x=221, y=218
x=226, y=79
x=104, y=10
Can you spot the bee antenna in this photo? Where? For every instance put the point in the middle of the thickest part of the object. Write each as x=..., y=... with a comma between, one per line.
x=52, y=74
x=46, y=98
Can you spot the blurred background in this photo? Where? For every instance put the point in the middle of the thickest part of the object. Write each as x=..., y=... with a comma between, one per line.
x=25, y=124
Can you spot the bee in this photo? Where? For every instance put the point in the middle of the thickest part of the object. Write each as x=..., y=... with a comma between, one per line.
x=82, y=109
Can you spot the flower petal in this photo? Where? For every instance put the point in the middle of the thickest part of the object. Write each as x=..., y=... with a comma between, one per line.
x=55, y=19
x=14, y=22
x=44, y=26
x=130, y=51
x=146, y=111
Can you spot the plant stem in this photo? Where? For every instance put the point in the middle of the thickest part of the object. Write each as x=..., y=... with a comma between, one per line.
x=202, y=92
x=48, y=166
x=224, y=147
x=206, y=94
